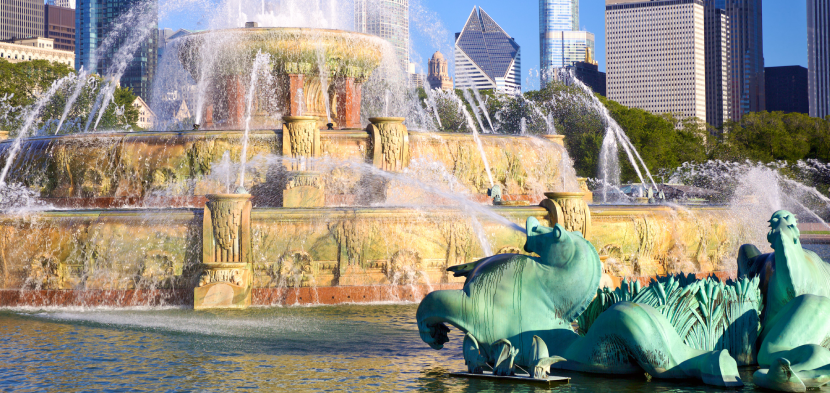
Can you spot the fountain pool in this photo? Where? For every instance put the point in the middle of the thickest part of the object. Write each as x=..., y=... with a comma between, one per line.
x=333, y=348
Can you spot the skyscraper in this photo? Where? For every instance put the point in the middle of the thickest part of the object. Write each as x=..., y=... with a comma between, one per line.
x=818, y=56
x=561, y=44
x=60, y=26
x=747, y=55
x=656, y=57
x=388, y=19
x=21, y=19
x=786, y=89
x=96, y=20
x=718, y=64
x=486, y=57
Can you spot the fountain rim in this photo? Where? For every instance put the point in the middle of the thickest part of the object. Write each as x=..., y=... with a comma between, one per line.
x=258, y=131
x=301, y=30
x=564, y=194
x=299, y=119
x=226, y=196
x=386, y=119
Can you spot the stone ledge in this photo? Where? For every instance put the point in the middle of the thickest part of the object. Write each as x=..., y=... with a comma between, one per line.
x=184, y=297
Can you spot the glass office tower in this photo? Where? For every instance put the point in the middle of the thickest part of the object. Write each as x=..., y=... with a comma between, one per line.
x=818, y=56
x=561, y=44
x=747, y=55
x=94, y=21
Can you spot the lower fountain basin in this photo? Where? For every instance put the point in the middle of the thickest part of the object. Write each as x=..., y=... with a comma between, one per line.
x=113, y=255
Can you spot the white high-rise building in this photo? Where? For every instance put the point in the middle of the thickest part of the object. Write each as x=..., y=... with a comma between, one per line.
x=388, y=19
x=818, y=56
x=486, y=57
x=656, y=56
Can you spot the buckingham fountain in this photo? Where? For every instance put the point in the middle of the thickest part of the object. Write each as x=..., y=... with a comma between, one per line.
x=287, y=192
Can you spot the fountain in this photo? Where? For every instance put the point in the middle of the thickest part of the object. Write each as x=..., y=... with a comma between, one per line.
x=295, y=186
x=321, y=214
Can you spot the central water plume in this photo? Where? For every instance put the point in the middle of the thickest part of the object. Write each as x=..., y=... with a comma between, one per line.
x=260, y=61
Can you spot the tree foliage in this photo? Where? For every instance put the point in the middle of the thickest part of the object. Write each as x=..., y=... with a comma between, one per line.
x=23, y=84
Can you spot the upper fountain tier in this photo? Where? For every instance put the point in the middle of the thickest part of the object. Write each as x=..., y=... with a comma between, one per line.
x=326, y=66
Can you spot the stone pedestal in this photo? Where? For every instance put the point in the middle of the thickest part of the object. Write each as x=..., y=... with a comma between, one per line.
x=569, y=210
x=349, y=92
x=227, y=275
x=390, y=143
x=583, y=187
x=557, y=139
x=300, y=147
x=304, y=189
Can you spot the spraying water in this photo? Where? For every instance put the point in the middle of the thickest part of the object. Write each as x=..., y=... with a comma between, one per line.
x=614, y=135
x=30, y=118
x=472, y=126
x=469, y=98
x=483, y=109
x=324, y=84
x=260, y=60
x=79, y=87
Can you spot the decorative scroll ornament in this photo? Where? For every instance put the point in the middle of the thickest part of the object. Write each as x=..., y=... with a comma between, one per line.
x=569, y=210
x=402, y=262
x=304, y=179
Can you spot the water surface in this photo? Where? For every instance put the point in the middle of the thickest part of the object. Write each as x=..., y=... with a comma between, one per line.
x=292, y=349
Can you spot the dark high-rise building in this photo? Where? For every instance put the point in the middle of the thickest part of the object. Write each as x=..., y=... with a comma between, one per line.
x=591, y=76
x=818, y=56
x=60, y=26
x=21, y=19
x=718, y=64
x=486, y=57
x=747, y=55
x=786, y=89
x=96, y=20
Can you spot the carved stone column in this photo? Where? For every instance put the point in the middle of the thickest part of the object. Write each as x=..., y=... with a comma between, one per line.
x=300, y=146
x=208, y=117
x=569, y=210
x=234, y=100
x=227, y=275
x=349, y=92
x=390, y=143
x=295, y=99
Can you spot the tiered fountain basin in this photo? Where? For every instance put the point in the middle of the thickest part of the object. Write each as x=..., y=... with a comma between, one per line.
x=323, y=255
x=153, y=221
x=314, y=69
x=174, y=169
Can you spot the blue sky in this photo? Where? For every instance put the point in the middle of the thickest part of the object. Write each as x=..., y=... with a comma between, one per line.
x=785, y=31
x=434, y=23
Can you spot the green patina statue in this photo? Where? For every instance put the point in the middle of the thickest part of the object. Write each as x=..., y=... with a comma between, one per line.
x=796, y=288
x=517, y=311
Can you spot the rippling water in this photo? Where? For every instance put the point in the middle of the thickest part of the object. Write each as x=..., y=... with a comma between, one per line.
x=343, y=348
